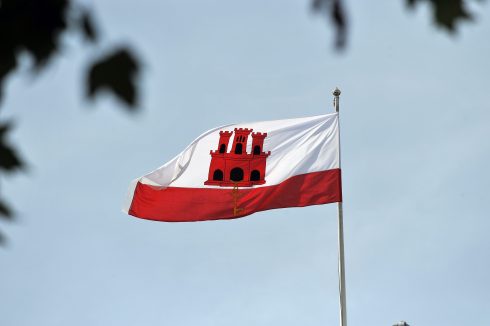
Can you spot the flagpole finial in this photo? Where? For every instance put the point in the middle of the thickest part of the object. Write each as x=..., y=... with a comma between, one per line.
x=336, y=93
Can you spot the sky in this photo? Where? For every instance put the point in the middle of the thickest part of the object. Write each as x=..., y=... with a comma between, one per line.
x=414, y=116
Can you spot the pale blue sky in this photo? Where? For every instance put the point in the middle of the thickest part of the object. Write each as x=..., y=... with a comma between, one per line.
x=415, y=152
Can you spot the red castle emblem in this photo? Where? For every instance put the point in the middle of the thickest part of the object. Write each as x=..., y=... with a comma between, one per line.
x=238, y=168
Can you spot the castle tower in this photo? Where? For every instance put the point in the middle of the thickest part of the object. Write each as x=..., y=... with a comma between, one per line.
x=224, y=139
x=240, y=141
x=258, y=143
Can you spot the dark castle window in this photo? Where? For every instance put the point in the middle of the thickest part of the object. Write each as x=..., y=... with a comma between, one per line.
x=256, y=150
x=255, y=175
x=218, y=175
x=236, y=174
x=222, y=148
x=238, y=148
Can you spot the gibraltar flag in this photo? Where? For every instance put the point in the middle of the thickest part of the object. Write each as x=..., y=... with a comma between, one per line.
x=239, y=169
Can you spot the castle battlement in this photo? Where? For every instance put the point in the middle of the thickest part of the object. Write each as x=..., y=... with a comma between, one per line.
x=243, y=130
x=259, y=134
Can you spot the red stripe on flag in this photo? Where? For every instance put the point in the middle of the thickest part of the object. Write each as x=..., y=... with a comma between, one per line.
x=174, y=204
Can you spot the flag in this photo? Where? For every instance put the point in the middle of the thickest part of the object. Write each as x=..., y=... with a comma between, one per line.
x=239, y=169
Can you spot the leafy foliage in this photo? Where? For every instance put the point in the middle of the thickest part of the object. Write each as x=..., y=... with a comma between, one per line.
x=10, y=161
x=30, y=26
x=115, y=73
x=446, y=13
x=35, y=28
x=334, y=10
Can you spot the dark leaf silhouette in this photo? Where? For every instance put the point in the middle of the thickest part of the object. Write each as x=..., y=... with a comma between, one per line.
x=334, y=9
x=32, y=26
x=9, y=160
x=87, y=27
x=115, y=73
x=5, y=211
x=446, y=13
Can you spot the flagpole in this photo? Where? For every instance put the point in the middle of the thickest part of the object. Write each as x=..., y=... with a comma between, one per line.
x=342, y=294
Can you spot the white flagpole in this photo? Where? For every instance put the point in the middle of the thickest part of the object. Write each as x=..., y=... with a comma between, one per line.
x=342, y=294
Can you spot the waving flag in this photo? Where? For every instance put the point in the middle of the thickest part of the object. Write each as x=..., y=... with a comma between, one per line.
x=236, y=170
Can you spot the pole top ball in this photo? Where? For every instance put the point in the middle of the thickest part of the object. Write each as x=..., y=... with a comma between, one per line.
x=336, y=91
x=401, y=323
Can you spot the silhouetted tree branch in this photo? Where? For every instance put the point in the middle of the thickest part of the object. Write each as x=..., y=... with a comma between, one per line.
x=446, y=14
x=35, y=27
